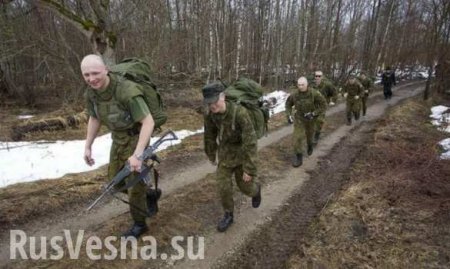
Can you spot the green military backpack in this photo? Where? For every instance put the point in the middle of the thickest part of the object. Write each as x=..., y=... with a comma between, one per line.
x=139, y=71
x=248, y=93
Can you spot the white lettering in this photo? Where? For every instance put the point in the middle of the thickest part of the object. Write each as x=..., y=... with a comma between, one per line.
x=123, y=247
x=201, y=248
x=177, y=247
x=14, y=245
x=93, y=243
x=43, y=249
x=110, y=247
x=149, y=251
x=59, y=250
x=74, y=252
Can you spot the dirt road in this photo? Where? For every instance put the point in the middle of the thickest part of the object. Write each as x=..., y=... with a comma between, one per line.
x=290, y=195
x=291, y=203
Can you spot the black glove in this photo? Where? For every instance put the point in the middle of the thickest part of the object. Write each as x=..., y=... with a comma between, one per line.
x=290, y=119
x=309, y=115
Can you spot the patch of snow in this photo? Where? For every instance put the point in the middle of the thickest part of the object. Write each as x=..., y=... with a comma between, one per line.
x=24, y=117
x=279, y=105
x=30, y=161
x=446, y=146
x=441, y=117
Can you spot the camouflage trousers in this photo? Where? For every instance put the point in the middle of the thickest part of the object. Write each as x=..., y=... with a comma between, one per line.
x=320, y=120
x=119, y=154
x=353, y=108
x=225, y=185
x=303, y=132
x=364, y=104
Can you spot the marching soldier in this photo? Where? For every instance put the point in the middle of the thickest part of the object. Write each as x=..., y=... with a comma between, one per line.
x=235, y=149
x=367, y=84
x=353, y=90
x=326, y=88
x=309, y=104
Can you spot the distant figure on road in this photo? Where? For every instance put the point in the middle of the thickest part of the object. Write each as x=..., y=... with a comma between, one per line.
x=388, y=79
x=367, y=84
x=230, y=136
x=309, y=104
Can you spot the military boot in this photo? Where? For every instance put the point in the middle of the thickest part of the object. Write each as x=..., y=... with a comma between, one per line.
x=225, y=222
x=310, y=150
x=256, y=200
x=152, y=201
x=136, y=230
x=297, y=160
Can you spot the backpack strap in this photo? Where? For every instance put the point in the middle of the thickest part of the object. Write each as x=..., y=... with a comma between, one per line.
x=233, y=123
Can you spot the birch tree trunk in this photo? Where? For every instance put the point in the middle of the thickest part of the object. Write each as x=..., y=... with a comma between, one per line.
x=237, y=63
x=386, y=31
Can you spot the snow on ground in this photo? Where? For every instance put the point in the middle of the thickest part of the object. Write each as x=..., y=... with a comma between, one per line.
x=280, y=97
x=24, y=117
x=446, y=146
x=441, y=118
x=30, y=161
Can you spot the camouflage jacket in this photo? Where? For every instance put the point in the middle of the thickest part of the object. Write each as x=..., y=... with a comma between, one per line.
x=120, y=107
x=366, y=83
x=326, y=88
x=234, y=145
x=353, y=89
x=304, y=102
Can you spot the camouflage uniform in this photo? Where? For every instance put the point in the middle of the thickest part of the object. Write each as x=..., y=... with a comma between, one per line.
x=328, y=91
x=304, y=102
x=236, y=149
x=121, y=107
x=367, y=84
x=354, y=93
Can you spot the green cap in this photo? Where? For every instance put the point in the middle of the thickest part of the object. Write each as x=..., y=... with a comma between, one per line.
x=211, y=92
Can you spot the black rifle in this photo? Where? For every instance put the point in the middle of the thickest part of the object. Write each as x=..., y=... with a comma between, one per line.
x=126, y=171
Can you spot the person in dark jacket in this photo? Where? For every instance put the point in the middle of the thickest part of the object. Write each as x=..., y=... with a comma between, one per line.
x=388, y=79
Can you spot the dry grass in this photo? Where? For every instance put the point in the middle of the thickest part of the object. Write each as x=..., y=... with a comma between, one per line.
x=395, y=211
x=45, y=198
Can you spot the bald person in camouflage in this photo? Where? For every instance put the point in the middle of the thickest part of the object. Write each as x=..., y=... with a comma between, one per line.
x=234, y=150
x=119, y=104
x=308, y=105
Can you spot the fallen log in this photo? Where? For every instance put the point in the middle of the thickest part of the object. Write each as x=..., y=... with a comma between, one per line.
x=51, y=124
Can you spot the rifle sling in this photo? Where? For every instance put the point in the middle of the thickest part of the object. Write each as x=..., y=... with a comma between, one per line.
x=131, y=204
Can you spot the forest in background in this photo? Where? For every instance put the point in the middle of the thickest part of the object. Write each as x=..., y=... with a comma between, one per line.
x=271, y=41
